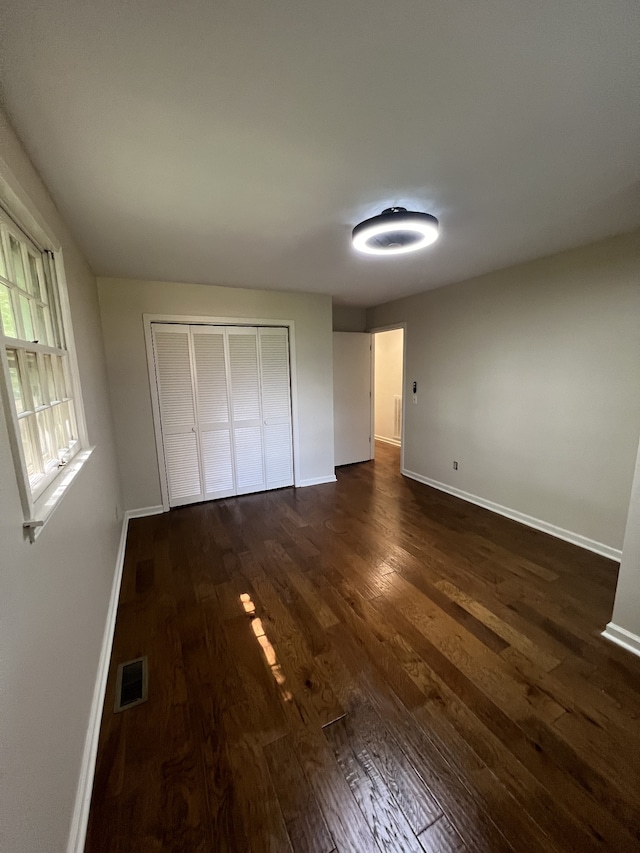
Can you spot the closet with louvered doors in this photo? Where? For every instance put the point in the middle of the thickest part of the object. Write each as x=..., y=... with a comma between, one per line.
x=224, y=398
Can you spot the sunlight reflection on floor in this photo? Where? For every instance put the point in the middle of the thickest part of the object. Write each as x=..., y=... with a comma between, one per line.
x=267, y=648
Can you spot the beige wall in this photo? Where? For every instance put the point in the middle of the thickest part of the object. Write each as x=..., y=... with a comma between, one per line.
x=53, y=593
x=349, y=318
x=123, y=302
x=388, y=379
x=530, y=379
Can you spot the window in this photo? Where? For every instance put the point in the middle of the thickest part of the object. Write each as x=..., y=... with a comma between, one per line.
x=36, y=364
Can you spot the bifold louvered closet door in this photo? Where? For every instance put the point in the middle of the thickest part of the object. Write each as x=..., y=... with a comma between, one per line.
x=224, y=394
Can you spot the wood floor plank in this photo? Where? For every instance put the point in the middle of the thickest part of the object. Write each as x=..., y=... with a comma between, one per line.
x=518, y=825
x=345, y=820
x=513, y=638
x=386, y=821
x=322, y=612
x=400, y=776
x=306, y=826
x=256, y=813
x=219, y=791
x=456, y=799
x=469, y=656
x=441, y=837
x=462, y=615
x=353, y=609
x=307, y=683
x=262, y=690
x=365, y=666
x=521, y=737
x=447, y=710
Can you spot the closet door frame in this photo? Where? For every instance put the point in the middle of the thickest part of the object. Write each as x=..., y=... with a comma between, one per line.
x=190, y=319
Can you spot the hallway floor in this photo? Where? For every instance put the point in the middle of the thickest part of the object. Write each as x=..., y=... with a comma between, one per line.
x=370, y=665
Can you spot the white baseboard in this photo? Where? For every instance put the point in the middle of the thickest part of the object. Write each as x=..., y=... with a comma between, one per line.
x=80, y=818
x=395, y=441
x=316, y=481
x=622, y=637
x=144, y=511
x=530, y=521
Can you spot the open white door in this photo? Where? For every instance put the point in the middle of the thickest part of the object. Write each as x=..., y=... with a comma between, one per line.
x=352, y=397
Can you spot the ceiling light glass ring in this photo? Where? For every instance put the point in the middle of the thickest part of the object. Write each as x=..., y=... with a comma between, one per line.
x=415, y=231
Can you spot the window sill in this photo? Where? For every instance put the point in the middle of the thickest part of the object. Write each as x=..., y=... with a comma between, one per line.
x=52, y=496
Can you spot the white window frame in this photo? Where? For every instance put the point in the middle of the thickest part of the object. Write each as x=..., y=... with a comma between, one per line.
x=39, y=502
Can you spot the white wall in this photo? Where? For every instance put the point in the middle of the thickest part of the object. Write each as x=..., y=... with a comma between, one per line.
x=388, y=351
x=124, y=301
x=530, y=379
x=53, y=593
x=626, y=610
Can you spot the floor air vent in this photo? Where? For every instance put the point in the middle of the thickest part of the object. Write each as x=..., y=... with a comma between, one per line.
x=132, y=684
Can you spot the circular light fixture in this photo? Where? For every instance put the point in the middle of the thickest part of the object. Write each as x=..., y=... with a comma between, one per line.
x=395, y=231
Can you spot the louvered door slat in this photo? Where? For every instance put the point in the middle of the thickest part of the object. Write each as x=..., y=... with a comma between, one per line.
x=214, y=424
x=217, y=463
x=177, y=413
x=245, y=387
x=183, y=471
x=276, y=392
x=174, y=380
x=276, y=407
x=278, y=459
x=246, y=409
x=249, y=459
x=211, y=376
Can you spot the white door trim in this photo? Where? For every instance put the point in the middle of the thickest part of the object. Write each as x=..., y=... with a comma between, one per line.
x=389, y=328
x=189, y=319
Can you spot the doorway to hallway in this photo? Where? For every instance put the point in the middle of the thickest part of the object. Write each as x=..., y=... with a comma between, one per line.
x=388, y=391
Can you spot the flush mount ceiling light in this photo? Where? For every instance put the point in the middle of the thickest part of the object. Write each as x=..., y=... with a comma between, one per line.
x=395, y=231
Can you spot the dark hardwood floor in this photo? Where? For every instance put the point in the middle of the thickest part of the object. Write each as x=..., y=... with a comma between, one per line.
x=369, y=665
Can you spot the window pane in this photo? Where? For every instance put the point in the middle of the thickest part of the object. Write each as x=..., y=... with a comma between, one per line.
x=34, y=379
x=3, y=265
x=51, y=385
x=46, y=320
x=70, y=431
x=44, y=286
x=34, y=276
x=43, y=334
x=47, y=438
x=27, y=323
x=49, y=330
x=57, y=413
x=56, y=336
x=16, y=384
x=6, y=312
x=58, y=374
x=56, y=324
x=18, y=267
x=67, y=378
x=27, y=446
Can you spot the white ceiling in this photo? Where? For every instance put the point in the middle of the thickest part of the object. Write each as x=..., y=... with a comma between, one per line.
x=237, y=142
